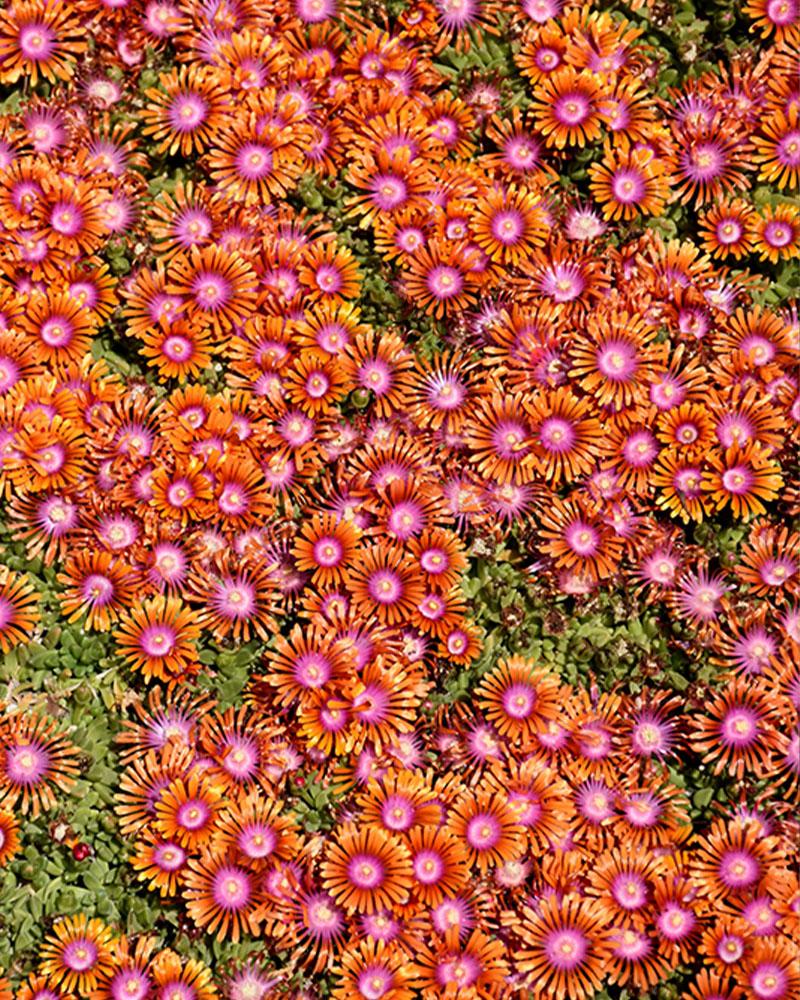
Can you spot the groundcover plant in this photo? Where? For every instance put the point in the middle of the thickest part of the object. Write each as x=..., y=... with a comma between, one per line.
x=400, y=542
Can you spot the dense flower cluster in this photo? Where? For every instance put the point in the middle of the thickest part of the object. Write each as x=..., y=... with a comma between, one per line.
x=293, y=331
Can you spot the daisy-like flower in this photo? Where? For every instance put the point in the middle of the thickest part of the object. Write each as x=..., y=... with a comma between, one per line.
x=19, y=613
x=618, y=359
x=565, y=947
x=310, y=921
x=59, y=327
x=180, y=494
x=733, y=860
x=519, y=151
x=688, y=429
x=439, y=864
x=711, y=162
x=221, y=896
x=776, y=233
x=366, y=870
x=160, y=863
x=385, y=702
x=130, y=977
x=442, y=392
x=315, y=383
x=98, y=585
x=39, y=39
x=539, y=799
x=325, y=547
x=699, y=597
x=457, y=19
x=738, y=728
x=519, y=698
x=9, y=837
x=393, y=184
x=329, y=273
x=256, y=165
x=447, y=965
x=770, y=971
x=653, y=727
x=218, y=284
x=259, y=831
x=778, y=148
x=187, y=811
x=578, y=541
x=175, y=977
x=374, y=969
x=726, y=229
x=184, y=113
x=508, y=223
x=70, y=214
x=621, y=883
x=744, y=478
x=77, y=953
x=384, y=583
x=398, y=801
x=143, y=781
x=35, y=759
x=379, y=365
x=499, y=438
x=487, y=828
x=304, y=663
x=679, y=486
x=182, y=350
x=634, y=960
x=566, y=107
x=630, y=182
x=747, y=646
x=236, y=601
x=439, y=278
x=565, y=436
x=770, y=561
x=780, y=18
x=157, y=637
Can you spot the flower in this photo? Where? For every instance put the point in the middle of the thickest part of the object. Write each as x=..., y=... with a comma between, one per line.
x=34, y=759
x=187, y=811
x=365, y=870
x=39, y=38
x=19, y=613
x=157, y=637
x=77, y=953
x=565, y=946
x=738, y=729
x=221, y=895
x=186, y=112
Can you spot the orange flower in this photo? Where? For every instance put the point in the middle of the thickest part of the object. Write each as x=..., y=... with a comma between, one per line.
x=186, y=112
x=98, y=586
x=630, y=182
x=566, y=945
x=519, y=698
x=508, y=223
x=566, y=107
x=487, y=828
x=221, y=896
x=78, y=953
x=19, y=611
x=157, y=638
x=39, y=38
x=325, y=547
x=744, y=478
x=218, y=284
x=367, y=870
x=187, y=811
